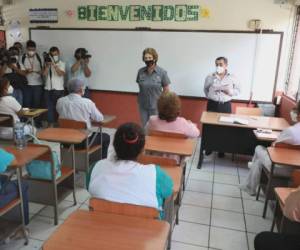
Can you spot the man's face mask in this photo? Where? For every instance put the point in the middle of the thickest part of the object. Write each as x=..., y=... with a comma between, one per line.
x=55, y=58
x=31, y=52
x=220, y=69
x=149, y=63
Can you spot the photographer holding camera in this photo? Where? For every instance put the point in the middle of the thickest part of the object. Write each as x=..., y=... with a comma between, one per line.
x=53, y=71
x=80, y=68
x=31, y=64
x=14, y=74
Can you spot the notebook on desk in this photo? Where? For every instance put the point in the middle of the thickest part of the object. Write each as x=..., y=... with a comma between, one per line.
x=234, y=120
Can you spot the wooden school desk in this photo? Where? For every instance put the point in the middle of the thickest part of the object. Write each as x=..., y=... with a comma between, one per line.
x=232, y=137
x=281, y=194
x=22, y=157
x=31, y=114
x=281, y=156
x=66, y=136
x=87, y=230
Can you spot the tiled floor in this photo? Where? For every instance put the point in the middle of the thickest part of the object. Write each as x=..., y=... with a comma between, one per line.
x=214, y=215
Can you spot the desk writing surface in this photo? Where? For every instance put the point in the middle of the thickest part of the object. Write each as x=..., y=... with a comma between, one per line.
x=106, y=119
x=96, y=230
x=282, y=193
x=255, y=122
x=265, y=136
x=33, y=112
x=25, y=155
x=285, y=156
x=62, y=135
x=178, y=146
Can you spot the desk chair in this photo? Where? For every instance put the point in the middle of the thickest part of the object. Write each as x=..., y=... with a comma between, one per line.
x=101, y=205
x=49, y=192
x=281, y=194
x=83, y=157
x=6, y=120
x=172, y=135
x=278, y=179
x=248, y=111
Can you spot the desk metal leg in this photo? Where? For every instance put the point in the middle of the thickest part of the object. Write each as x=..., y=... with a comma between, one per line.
x=101, y=142
x=268, y=191
x=201, y=155
x=73, y=165
x=19, y=177
x=275, y=216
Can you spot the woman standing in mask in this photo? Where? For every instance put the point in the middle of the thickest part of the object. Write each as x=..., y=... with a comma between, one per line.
x=54, y=72
x=290, y=135
x=152, y=81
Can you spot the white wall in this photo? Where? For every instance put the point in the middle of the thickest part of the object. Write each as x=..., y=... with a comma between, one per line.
x=225, y=15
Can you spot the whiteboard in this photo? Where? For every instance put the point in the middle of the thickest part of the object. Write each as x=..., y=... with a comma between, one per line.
x=188, y=57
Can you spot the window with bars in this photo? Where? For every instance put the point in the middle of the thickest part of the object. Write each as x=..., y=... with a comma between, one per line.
x=293, y=79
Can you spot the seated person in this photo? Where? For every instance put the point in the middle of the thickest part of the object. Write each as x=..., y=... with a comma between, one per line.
x=168, y=118
x=9, y=105
x=75, y=107
x=291, y=135
x=122, y=179
x=276, y=241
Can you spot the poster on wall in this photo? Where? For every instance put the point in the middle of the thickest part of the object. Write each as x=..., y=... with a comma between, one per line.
x=44, y=15
x=180, y=13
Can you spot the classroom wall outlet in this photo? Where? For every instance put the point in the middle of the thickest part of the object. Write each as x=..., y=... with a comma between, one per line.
x=254, y=24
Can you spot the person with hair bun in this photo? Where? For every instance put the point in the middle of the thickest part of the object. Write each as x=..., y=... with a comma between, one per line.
x=152, y=81
x=122, y=179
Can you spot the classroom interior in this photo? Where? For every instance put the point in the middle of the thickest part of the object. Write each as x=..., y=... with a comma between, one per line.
x=214, y=213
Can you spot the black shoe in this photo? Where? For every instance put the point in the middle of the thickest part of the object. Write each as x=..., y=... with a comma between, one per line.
x=221, y=155
x=208, y=153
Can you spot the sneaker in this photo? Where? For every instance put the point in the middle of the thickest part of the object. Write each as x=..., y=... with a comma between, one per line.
x=250, y=164
x=244, y=188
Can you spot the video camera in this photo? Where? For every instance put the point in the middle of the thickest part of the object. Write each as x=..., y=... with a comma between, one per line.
x=7, y=57
x=47, y=57
x=82, y=53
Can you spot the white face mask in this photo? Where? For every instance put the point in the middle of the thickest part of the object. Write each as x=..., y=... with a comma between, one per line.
x=294, y=116
x=55, y=58
x=10, y=90
x=31, y=53
x=220, y=69
x=17, y=58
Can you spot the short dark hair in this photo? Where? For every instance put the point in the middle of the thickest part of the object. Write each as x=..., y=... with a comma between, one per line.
x=30, y=44
x=53, y=49
x=168, y=106
x=129, y=141
x=222, y=58
x=18, y=43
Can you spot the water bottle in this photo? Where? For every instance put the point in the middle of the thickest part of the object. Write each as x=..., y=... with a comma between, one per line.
x=19, y=135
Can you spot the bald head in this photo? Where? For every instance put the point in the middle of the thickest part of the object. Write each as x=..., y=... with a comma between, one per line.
x=75, y=86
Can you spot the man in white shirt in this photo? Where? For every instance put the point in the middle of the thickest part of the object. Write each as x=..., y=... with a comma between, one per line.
x=54, y=72
x=76, y=107
x=31, y=64
x=219, y=88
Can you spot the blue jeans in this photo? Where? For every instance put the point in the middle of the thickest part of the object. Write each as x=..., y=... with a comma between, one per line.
x=32, y=97
x=51, y=97
x=18, y=94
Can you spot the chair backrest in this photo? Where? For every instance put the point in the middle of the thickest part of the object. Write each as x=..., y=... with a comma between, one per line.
x=6, y=120
x=100, y=205
x=166, y=134
x=248, y=111
x=159, y=160
x=67, y=123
